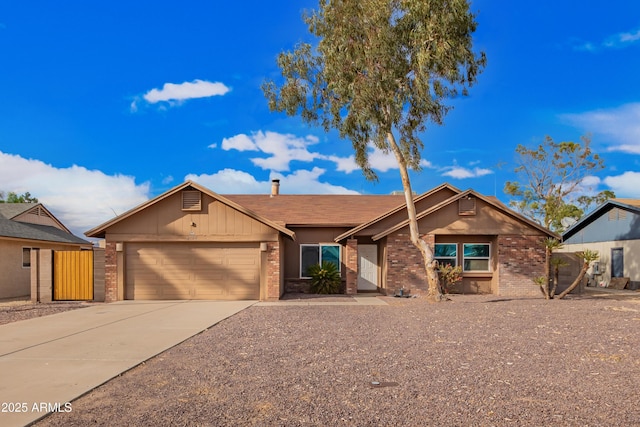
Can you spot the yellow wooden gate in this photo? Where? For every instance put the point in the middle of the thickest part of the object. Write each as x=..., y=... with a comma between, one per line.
x=72, y=275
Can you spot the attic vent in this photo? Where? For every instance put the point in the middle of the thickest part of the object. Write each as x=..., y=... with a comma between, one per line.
x=616, y=214
x=191, y=201
x=467, y=206
x=38, y=212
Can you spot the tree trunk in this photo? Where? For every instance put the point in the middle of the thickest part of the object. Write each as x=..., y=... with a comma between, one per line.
x=547, y=265
x=576, y=282
x=434, y=292
x=556, y=276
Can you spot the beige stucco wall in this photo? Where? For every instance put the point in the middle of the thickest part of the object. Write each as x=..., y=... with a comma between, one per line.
x=631, y=249
x=15, y=280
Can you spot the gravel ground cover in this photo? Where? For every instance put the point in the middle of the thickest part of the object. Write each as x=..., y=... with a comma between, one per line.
x=473, y=361
x=16, y=310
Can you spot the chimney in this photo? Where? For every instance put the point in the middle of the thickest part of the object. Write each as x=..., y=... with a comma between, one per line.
x=275, y=187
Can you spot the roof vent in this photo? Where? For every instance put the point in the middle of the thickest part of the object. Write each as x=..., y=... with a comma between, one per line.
x=191, y=201
x=467, y=206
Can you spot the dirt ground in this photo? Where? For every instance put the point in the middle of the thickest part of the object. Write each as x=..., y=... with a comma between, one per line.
x=476, y=360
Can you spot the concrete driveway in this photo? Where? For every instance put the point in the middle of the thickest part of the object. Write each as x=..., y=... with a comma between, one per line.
x=47, y=362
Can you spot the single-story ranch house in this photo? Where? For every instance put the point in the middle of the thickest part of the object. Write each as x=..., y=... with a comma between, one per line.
x=192, y=243
x=24, y=228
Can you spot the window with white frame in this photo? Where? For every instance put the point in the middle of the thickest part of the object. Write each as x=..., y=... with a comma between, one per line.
x=316, y=254
x=26, y=257
x=476, y=257
x=446, y=253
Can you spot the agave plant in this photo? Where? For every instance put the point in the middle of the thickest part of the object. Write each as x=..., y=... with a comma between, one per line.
x=325, y=278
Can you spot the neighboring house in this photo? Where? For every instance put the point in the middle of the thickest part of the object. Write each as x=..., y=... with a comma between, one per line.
x=192, y=243
x=25, y=227
x=612, y=229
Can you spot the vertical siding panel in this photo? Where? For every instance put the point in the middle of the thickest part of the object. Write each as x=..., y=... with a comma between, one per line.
x=219, y=219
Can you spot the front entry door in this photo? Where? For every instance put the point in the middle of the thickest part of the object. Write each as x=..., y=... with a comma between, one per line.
x=367, y=267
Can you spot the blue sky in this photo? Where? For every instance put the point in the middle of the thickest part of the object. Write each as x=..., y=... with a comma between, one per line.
x=106, y=104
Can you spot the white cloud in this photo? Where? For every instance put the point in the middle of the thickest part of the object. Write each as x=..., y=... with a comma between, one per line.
x=625, y=185
x=378, y=159
x=620, y=125
x=285, y=148
x=459, y=172
x=175, y=94
x=381, y=161
x=344, y=164
x=282, y=148
x=239, y=142
x=308, y=182
x=80, y=198
x=231, y=181
x=186, y=90
x=615, y=41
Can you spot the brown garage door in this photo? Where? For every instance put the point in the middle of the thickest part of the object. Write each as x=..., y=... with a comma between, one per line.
x=165, y=271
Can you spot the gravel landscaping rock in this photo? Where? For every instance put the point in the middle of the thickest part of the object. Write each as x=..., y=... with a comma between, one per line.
x=14, y=311
x=476, y=360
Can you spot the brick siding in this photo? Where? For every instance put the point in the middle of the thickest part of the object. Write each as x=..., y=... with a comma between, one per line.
x=351, y=264
x=273, y=271
x=520, y=259
x=405, y=267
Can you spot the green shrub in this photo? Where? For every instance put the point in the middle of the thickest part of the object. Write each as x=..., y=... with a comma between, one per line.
x=449, y=277
x=325, y=279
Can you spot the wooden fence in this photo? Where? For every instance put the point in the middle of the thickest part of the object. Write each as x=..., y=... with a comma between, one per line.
x=73, y=275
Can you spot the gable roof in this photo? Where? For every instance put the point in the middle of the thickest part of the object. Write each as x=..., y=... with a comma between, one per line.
x=338, y=210
x=11, y=210
x=489, y=200
x=632, y=205
x=628, y=202
x=20, y=212
x=100, y=230
x=395, y=210
x=13, y=227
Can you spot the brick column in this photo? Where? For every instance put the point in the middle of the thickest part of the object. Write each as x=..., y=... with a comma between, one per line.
x=351, y=264
x=273, y=272
x=110, y=273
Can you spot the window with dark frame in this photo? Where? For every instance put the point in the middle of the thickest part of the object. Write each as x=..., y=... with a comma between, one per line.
x=311, y=254
x=26, y=257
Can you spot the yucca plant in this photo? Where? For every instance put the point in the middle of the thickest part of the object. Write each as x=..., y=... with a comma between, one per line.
x=325, y=278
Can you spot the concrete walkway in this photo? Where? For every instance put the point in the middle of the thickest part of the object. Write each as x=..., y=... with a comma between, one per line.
x=47, y=362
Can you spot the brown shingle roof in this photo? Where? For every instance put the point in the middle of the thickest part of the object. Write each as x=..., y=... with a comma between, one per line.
x=630, y=202
x=315, y=210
